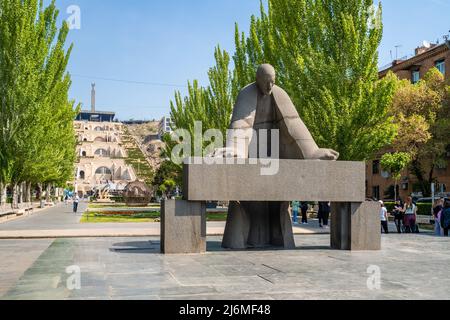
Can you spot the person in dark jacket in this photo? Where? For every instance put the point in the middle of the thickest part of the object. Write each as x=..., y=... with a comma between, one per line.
x=398, y=215
x=304, y=207
x=324, y=214
x=445, y=217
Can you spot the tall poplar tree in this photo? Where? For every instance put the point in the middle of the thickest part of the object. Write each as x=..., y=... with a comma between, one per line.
x=325, y=55
x=37, y=140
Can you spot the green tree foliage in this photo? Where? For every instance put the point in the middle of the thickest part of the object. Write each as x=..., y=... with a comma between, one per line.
x=167, y=178
x=422, y=112
x=325, y=54
x=395, y=163
x=212, y=105
x=37, y=140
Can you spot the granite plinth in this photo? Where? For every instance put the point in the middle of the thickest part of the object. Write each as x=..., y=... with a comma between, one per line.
x=306, y=180
x=183, y=227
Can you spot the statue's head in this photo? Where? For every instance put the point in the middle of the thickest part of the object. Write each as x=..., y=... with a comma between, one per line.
x=265, y=78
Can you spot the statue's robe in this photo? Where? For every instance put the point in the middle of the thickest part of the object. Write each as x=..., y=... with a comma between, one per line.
x=260, y=224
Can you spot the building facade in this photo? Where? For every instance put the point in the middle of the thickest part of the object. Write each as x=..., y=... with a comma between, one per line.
x=413, y=69
x=165, y=126
x=101, y=156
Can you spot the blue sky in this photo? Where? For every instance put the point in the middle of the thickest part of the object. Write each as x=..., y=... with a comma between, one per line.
x=169, y=42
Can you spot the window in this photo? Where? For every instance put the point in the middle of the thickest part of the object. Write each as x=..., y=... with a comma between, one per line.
x=103, y=170
x=376, y=167
x=415, y=76
x=82, y=175
x=440, y=65
x=102, y=153
x=83, y=154
x=376, y=192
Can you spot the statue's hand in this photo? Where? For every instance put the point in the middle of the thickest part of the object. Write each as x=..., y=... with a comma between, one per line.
x=326, y=154
x=225, y=153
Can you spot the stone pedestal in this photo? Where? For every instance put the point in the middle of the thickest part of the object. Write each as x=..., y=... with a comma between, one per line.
x=355, y=223
x=355, y=226
x=305, y=180
x=183, y=227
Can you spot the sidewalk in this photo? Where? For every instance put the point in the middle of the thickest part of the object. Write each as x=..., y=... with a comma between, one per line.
x=9, y=215
x=124, y=230
x=61, y=222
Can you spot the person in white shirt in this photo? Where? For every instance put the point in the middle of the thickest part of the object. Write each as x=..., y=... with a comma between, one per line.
x=384, y=218
x=76, y=200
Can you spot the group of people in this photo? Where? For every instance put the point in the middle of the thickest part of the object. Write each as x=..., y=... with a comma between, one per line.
x=405, y=217
x=323, y=213
x=441, y=213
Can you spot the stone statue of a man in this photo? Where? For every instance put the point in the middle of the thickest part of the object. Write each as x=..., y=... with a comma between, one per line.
x=264, y=106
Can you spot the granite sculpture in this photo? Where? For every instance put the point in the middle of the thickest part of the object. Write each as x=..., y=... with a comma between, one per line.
x=260, y=107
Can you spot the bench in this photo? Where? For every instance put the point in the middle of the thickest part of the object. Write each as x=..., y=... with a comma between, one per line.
x=355, y=223
x=7, y=215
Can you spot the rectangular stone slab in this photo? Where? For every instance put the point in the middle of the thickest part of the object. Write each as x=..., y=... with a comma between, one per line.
x=304, y=180
x=356, y=226
x=183, y=227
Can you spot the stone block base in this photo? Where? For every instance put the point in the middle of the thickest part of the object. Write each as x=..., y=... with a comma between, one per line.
x=183, y=227
x=356, y=226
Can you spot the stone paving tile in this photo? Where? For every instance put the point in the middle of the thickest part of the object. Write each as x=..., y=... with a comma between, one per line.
x=23, y=294
x=16, y=256
x=164, y=291
x=137, y=298
x=220, y=296
x=121, y=268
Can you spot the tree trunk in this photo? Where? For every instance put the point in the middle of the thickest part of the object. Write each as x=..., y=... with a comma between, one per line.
x=47, y=193
x=28, y=194
x=395, y=190
x=23, y=193
x=3, y=195
x=14, y=203
x=430, y=176
x=39, y=193
x=19, y=193
x=417, y=171
x=2, y=202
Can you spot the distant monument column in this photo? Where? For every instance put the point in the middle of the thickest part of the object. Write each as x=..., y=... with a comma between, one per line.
x=93, y=98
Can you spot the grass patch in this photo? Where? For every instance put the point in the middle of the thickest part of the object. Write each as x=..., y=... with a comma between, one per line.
x=216, y=216
x=137, y=217
x=117, y=217
x=102, y=206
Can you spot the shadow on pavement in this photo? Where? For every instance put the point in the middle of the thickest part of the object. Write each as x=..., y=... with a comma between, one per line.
x=136, y=247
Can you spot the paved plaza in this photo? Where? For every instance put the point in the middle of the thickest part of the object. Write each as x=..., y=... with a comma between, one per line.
x=411, y=266
x=131, y=266
x=61, y=222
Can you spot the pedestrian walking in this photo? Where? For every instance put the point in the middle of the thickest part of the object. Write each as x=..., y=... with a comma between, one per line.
x=304, y=207
x=437, y=213
x=324, y=214
x=295, y=207
x=410, y=210
x=445, y=217
x=76, y=200
x=398, y=215
x=384, y=218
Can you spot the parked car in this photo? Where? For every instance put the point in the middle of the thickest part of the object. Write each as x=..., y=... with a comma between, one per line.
x=428, y=200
